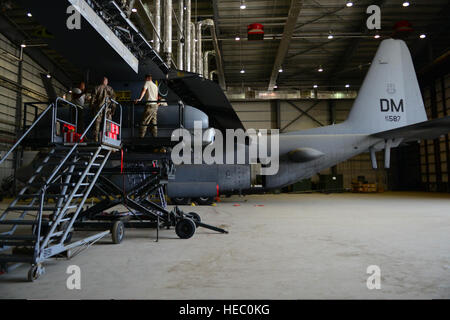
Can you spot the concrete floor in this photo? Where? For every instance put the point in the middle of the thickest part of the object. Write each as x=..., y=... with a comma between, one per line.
x=279, y=247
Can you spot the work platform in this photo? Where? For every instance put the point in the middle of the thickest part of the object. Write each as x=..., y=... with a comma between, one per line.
x=75, y=167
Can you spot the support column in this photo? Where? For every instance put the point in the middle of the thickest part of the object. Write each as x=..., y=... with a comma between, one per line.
x=181, y=39
x=157, y=31
x=168, y=31
x=187, y=38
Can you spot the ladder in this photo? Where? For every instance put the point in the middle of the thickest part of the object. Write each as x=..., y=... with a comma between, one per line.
x=40, y=219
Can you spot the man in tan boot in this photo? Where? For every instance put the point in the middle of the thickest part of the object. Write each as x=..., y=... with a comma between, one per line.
x=150, y=92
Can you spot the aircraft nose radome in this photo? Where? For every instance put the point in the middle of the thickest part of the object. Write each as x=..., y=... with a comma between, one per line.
x=304, y=154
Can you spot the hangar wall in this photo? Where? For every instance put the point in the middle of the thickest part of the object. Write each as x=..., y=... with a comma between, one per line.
x=263, y=115
x=14, y=91
x=435, y=154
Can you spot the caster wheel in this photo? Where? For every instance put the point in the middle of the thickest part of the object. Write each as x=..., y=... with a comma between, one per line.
x=194, y=216
x=185, y=228
x=181, y=201
x=204, y=201
x=117, y=232
x=68, y=254
x=35, y=272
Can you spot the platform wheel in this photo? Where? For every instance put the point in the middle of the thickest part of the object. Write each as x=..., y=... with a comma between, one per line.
x=181, y=201
x=68, y=254
x=204, y=201
x=117, y=232
x=185, y=228
x=35, y=272
x=194, y=216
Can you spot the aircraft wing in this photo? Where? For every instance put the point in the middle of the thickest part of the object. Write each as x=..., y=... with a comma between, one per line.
x=205, y=95
x=431, y=129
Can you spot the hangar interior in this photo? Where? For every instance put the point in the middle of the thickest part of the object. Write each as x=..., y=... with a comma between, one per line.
x=303, y=71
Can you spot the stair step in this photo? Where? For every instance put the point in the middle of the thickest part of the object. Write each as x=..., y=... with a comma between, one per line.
x=31, y=208
x=24, y=196
x=56, y=184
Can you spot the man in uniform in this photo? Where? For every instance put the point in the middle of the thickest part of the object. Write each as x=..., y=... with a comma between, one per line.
x=150, y=92
x=101, y=93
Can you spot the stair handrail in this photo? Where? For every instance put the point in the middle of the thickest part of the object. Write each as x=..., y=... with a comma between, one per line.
x=55, y=115
x=55, y=171
x=50, y=106
x=105, y=120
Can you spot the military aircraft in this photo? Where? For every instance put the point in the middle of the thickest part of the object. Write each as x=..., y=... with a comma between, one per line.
x=388, y=112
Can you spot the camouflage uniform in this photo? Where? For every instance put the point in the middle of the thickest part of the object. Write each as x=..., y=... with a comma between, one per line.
x=101, y=93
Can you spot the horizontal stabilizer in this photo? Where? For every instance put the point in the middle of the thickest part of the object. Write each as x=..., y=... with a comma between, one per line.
x=431, y=129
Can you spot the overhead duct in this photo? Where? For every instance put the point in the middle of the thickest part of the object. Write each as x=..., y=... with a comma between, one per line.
x=180, y=35
x=187, y=40
x=206, y=63
x=157, y=31
x=220, y=73
x=168, y=31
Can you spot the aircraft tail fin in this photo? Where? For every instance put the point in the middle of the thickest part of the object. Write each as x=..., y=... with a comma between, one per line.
x=390, y=96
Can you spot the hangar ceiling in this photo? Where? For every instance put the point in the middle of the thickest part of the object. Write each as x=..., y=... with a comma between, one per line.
x=344, y=58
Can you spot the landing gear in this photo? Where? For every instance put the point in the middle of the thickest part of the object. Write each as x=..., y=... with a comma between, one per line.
x=204, y=201
x=35, y=272
x=181, y=201
x=185, y=228
x=117, y=232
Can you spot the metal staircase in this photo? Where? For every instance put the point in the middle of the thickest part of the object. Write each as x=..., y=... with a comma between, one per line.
x=41, y=217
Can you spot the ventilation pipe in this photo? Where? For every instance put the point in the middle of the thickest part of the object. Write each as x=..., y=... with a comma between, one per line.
x=206, y=63
x=187, y=40
x=180, y=34
x=192, y=53
x=220, y=73
x=157, y=32
x=168, y=31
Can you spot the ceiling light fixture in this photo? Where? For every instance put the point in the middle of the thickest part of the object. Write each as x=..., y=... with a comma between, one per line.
x=376, y=36
x=134, y=10
x=422, y=36
x=320, y=69
x=349, y=4
x=242, y=70
x=330, y=36
x=237, y=38
x=243, y=6
x=280, y=70
x=29, y=15
x=347, y=86
x=315, y=86
x=405, y=4
x=48, y=75
x=23, y=45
